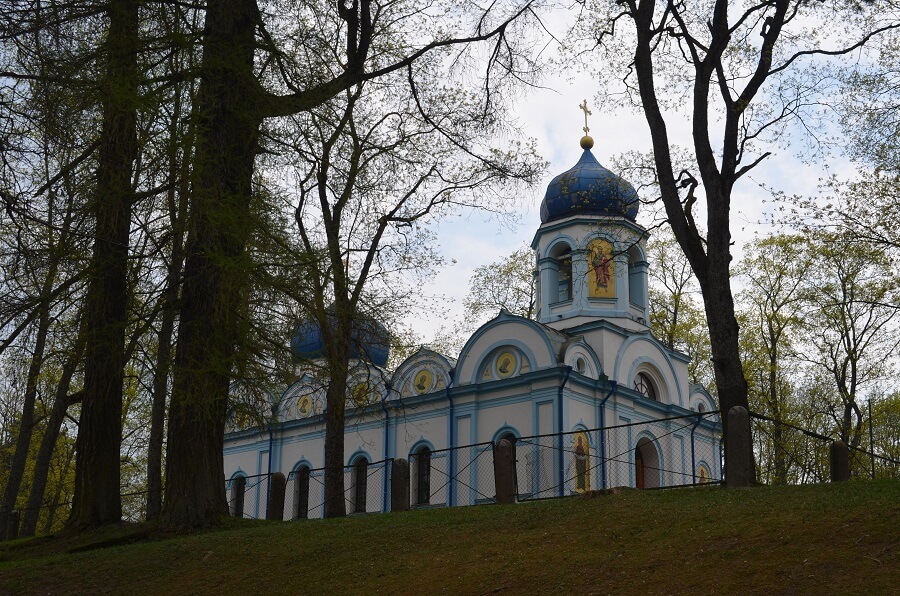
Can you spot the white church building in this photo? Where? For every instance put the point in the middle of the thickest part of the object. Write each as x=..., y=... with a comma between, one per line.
x=590, y=397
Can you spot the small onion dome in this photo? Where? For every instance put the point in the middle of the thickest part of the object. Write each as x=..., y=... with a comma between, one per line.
x=368, y=341
x=588, y=188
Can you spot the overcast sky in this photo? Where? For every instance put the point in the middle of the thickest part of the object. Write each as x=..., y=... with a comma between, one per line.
x=552, y=116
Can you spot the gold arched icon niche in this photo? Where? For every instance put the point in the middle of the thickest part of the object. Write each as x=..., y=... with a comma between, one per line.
x=601, y=269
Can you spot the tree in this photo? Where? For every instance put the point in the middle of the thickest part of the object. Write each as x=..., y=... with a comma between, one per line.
x=96, y=500
x=851, y=331
x=775, y=302
x=728, y=66
x=675, y=317
x=507, y=284
x=232, y=104
x=370, y=179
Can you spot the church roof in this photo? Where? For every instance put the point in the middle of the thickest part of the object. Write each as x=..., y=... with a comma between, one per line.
x=368, y=340
x=589, y=188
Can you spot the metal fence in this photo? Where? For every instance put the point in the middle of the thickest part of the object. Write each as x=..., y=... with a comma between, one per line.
x=247, y=496
x=456, y=476
x=789, y=454
x=365, y=490
x=677, y=451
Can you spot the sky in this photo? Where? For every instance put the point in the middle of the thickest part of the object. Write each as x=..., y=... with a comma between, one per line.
x=552, y=116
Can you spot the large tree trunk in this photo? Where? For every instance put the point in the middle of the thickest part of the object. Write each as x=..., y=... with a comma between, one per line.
x=97, y=473
x=215, y=274
x=61, y=403
x=336, y=400
x=711, y=260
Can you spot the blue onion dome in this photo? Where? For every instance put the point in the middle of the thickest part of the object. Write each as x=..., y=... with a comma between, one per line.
x=369, y=340
x=589, y=188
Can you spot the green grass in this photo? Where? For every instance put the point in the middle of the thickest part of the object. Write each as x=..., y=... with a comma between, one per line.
x=837, y=539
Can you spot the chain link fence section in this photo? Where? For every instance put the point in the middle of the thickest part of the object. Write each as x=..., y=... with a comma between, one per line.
x=788, y=454
x=455, y=476
x=247, y=496
x=366, y=490
x=677, y=451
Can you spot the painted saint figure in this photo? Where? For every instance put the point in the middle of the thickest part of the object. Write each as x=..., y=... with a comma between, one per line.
x=603, y=270
x=582, y=480
x=600, y=263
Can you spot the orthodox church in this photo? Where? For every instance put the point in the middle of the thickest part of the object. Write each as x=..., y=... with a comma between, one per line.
x=553, y=385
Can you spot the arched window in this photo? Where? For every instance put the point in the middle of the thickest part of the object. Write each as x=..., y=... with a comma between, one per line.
x=238, y=486
x=644, y=386
x=423, y=475
x=360, y=478
x=701, y=407
x=637, y=278
x=562, y=255
x=301, y=493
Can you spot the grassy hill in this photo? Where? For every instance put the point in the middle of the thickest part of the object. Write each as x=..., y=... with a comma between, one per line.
x=839, y=539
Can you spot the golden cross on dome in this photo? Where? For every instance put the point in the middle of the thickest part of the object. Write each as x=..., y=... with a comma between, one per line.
x=587, y=113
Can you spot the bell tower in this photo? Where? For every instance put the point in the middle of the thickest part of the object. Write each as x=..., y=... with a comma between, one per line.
x=590, y=251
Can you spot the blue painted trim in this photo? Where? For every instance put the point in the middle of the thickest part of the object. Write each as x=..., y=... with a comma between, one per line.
x=451, y=435
x=506, y=428
x=602, y=407
x=501, y=319
x=489, y=353
x=359, y=453
x=559, y=427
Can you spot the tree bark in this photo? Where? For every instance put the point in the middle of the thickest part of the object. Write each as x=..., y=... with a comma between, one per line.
x=214, y=273
x=710, y=261
x=97, y=473
x=26, y=422
x=177, y=214
x=61, y=403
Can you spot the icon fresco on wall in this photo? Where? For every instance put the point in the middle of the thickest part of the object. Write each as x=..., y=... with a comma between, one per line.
x=506, y=365
x=602, y=270
x=360, y=394
x=582, y=450
x=305, y=406
x=702, y=475
x=423, y=382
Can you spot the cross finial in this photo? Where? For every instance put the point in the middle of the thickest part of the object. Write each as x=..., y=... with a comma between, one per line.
x=587, y=112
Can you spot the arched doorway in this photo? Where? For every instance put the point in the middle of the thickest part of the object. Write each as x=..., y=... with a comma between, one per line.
x=360, y=479
x=301, y=493
x=422, y=471
x=238, y=486
x=511, y=437
x=646, y=464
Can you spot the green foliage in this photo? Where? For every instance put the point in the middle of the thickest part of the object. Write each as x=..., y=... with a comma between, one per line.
x=676, y=316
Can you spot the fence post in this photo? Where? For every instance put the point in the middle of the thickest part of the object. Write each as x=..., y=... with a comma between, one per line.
x=840, y=461
x=400, y=485
x=277, y=488
x=504, y=472
x=738, y=448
